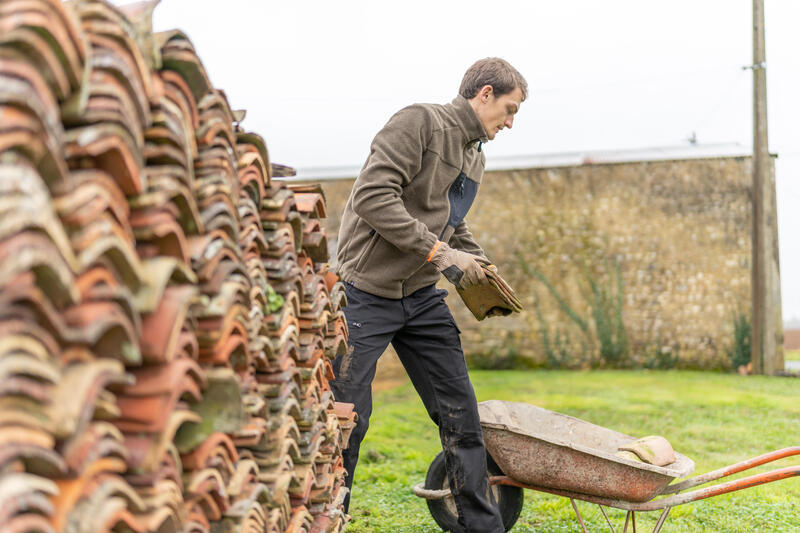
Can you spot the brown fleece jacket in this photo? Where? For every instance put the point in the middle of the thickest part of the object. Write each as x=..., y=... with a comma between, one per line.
x=415, y=188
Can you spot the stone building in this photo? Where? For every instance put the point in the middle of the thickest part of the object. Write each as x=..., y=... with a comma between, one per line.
x=628, y=258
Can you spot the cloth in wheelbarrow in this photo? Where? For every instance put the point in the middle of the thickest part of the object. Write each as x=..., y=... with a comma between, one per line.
x=550, y=450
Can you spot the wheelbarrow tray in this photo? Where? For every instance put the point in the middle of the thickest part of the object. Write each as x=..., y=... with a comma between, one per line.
x=541, y=448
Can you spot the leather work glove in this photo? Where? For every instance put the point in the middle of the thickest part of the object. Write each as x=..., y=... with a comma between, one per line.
x=462, y=269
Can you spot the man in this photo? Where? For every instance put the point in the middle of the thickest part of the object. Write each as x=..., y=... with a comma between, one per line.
x=403, y=226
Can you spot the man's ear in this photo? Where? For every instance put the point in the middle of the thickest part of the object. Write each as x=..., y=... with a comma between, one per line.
x=485, y=92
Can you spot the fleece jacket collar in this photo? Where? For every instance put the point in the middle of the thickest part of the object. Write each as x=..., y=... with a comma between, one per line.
x=468, y=121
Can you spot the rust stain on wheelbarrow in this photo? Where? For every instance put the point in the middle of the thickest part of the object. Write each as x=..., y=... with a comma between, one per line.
x=539, y=447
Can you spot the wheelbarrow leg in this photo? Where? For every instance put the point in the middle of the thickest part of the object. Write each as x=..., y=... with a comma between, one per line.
x=580, y=518
x=630, y=517
x=662, y=519
x=605, y=515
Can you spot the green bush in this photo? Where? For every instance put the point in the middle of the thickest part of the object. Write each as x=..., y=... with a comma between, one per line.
x=739, y=351
x=602, y=331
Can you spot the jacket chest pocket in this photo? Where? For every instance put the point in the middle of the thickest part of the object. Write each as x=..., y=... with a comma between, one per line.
x=461, y=196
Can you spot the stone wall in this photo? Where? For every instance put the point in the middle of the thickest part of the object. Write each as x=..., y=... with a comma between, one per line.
x=631, y=264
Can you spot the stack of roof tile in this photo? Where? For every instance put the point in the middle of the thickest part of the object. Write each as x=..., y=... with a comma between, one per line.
x=167, y=317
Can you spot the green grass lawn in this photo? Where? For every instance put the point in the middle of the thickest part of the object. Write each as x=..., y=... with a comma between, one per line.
x=715, y=419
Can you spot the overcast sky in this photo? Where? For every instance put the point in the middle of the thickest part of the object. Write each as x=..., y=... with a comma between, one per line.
x=319, y=78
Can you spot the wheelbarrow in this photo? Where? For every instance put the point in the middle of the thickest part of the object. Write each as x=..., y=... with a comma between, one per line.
x=532, y=448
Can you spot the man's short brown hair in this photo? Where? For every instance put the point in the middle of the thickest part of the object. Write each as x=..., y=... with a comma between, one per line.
x=495, y=72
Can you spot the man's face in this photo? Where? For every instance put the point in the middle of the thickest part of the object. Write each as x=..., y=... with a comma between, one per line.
x=497, y=112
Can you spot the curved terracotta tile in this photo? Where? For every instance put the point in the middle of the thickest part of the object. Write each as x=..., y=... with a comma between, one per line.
x=244, y=477
x=87, y=193
x=253, y=435
x=147, y=405
x=311, y=204
x=33, y=389
x=338, y=324
x=214, y=126
x=101, y=439
x=62, y=25
x=282, y=428
x=315, y=293
x=110, y=100
x=74, y=397
x=163, y=501
x=252, y=235
x=216, y=215
x=283, y=266
x=43, y=32
x=286, y=407
x=105, y=502
x=25, y=74
x=95, y=281
x=279, y=237
x=157, y=273
x=26, y=523
x=161, y=329
x=21, y=364
x=335, y=346
x=312, y=348
x=112, y=515
x=216, y=163
x=215, y=449
x=216, y=101
x=20, y=493
x=224, y=314
x=230, y=300
x=31, y=455
x=301, y=520
x=208, y=487
x=277, y=204
x=313, y=377
x=107, y=329
x=167, y=184
x=204, y=248
x=102, y=225
x=247, y=140
x=33, y=252
x=29, y=339
x=161, y=232
x=315, y=244
x=70, y=491
x=188, y=346
x=148, y=450
x=220, y=409
x=332, y=282
x=108, y=147
x=282, y=319
x=253, y=171
x=164, y=147
x=115, y=55
x=163, y=379
x=22, y=93
x=179, y=92
x=24, y=133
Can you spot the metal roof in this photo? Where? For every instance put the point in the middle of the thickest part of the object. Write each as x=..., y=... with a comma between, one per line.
x=562, y=159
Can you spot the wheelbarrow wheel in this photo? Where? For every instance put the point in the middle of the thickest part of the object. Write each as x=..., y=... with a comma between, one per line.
x=509, y=499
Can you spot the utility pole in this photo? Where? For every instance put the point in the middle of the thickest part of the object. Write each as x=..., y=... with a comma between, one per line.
x=766, y=352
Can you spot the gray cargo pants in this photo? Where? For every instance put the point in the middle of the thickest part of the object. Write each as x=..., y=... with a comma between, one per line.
x=425, y=337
